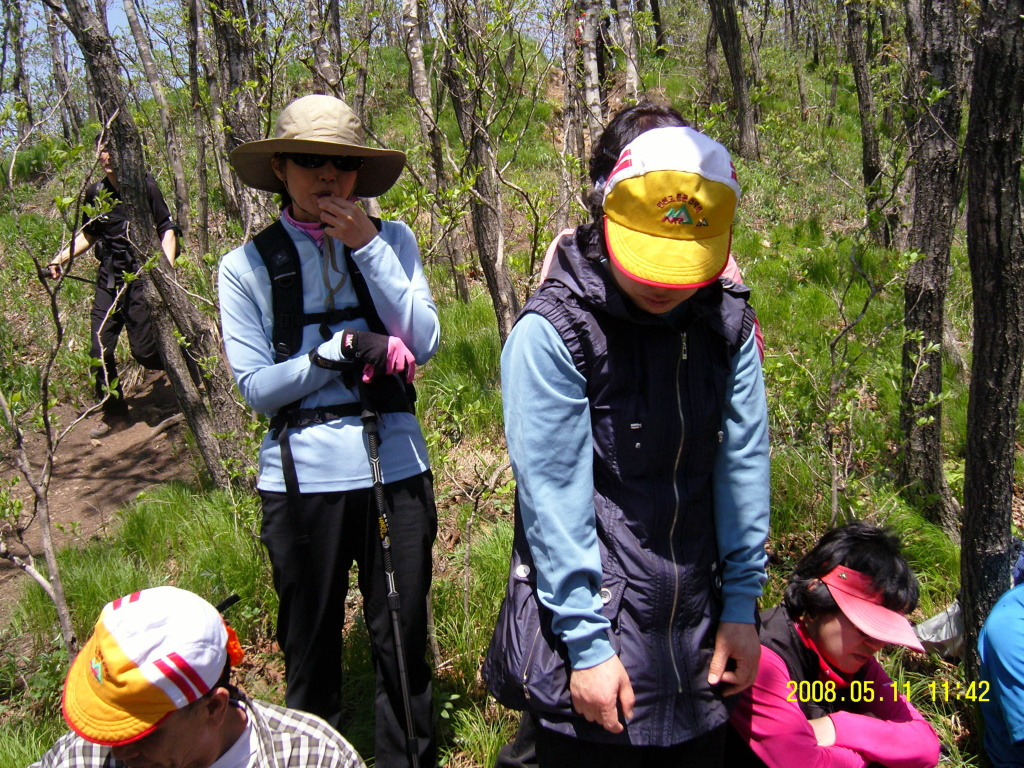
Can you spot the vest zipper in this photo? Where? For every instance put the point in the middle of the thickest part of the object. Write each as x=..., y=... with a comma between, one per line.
x=524, y=678
x=675, y=515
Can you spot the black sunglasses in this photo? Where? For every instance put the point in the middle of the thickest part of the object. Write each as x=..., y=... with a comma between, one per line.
x=341, y=162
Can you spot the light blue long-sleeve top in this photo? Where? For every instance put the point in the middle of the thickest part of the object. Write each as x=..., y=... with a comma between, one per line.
x=548, y=430
x=328, y=457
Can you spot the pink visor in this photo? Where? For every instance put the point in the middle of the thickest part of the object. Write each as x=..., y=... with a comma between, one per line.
x=855, y=594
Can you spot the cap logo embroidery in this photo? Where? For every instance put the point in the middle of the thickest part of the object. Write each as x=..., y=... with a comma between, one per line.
x=97, y=669
x=678, y=215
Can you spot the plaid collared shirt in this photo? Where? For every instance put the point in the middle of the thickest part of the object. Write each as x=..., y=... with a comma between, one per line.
x=286, y=738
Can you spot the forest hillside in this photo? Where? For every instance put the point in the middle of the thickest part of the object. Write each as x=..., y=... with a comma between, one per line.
x=879, y=158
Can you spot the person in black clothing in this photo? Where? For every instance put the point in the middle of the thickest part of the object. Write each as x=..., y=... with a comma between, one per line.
x=116, y=305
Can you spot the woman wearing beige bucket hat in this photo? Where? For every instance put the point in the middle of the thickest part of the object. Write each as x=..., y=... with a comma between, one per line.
x=324, y=311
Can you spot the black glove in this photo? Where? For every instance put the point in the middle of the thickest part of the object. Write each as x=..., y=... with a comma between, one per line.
x=367, y=348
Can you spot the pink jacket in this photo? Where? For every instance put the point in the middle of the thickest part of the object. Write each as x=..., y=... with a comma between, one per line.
x=887, y=731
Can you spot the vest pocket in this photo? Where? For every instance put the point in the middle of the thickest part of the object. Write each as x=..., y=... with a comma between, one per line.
x=527, y=664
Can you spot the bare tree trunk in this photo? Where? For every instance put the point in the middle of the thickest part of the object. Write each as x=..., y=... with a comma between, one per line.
x=936, y=56
x=833, y=96
x=789, y=20
x=802, y=91
x=15, y=23
x=70, y=118
x=660, y=38
x=222, y=416
x=201, y=235
x=364, y=31
x=871, y=155
x=728, y=28
x=593, y=97
x=52, y=582
x=236, y=44
x=995, y=247
x=753, y=43
x=430, y=132
x=465, y=63
x=573, y=156
x=325, y=56
x=230, y=186
x=711, y=82
x=183, y=215
x=627, y=35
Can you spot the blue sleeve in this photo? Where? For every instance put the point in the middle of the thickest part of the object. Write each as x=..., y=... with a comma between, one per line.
x=391, y=265
x=247, y=315
x=548, y=431
x=741, y=487
x=1002, y=664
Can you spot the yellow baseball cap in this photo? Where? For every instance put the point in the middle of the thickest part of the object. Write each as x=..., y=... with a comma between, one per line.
x=151, y=653
x=669, y=205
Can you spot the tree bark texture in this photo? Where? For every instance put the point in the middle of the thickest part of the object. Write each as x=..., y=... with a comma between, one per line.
x=242, y=108
x=430, y=133
x=660, y=39
x=711, y=81
x=466, y=67
x=220, y=414
x=936, y=56
x=193, y=32
x=593, y=95
x=871, y=155
x=230, y=186
x=573, y=156
x=995, y=245
x=15, y=23
x=70, y=117
x=361, y=44
x=325, y=56
x=182, y=207
x=728, y=28
x=627, y=40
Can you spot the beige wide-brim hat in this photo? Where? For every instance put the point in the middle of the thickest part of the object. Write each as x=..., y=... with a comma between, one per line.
x=318, y=125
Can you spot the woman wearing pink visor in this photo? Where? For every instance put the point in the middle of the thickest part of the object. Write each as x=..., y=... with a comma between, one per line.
x=820, y=697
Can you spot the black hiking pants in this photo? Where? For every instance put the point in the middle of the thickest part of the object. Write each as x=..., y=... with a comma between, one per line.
x=132, y=314
x=536, y=747
x=311, y=579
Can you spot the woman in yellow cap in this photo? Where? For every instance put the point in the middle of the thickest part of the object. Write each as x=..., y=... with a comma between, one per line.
x=636, y=425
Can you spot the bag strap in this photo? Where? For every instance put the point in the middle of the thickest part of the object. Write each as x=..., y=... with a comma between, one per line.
x=281, y=258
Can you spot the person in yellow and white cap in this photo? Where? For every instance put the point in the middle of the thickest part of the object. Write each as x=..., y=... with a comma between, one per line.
x=637, y=429
x=150, y=689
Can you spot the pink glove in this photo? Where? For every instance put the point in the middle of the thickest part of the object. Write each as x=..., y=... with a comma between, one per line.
x=399, y=359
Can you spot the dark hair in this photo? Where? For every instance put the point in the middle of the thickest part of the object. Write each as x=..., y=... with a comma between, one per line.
x=873, y=551
x=627, y=124
x=224, y=681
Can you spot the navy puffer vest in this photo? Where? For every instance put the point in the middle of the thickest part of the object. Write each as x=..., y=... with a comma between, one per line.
x=656, y=393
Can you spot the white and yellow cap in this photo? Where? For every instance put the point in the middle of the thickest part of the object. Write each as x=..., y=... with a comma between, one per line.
x=669, y=205
x=151, y=653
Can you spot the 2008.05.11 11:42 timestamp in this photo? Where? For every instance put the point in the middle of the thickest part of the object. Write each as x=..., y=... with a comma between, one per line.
x=865, y=691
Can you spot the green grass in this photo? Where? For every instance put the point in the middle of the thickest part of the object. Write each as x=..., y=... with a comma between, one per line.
x=458, y=393
x=798, y=223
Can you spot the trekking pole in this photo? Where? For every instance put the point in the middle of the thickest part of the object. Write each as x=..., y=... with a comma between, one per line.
x=44, y=273
x=369, y=419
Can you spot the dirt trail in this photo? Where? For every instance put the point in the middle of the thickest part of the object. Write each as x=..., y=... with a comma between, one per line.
x=93, y=479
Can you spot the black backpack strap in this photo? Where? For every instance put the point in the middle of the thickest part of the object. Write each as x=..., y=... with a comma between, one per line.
x=363, y=290
x=281, y=258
